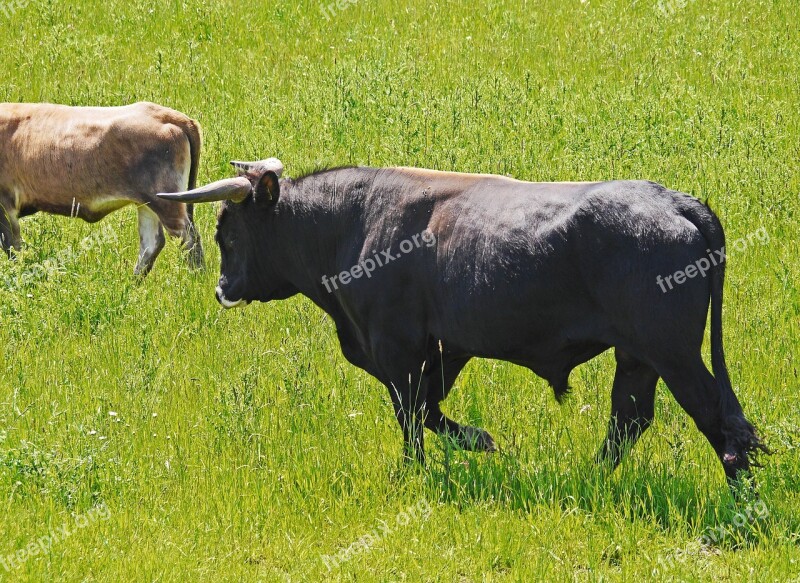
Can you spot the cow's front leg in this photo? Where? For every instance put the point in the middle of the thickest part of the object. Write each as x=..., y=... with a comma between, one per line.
x=9, y=230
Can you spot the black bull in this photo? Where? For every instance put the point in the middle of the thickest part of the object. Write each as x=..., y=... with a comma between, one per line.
x=423, y=270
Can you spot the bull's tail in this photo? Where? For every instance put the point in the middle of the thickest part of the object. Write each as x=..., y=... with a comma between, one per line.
x=709, y=226
x=736, y=428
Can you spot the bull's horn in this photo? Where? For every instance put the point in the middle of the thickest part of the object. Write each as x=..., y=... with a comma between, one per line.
x=259, y=166
x=233, y=189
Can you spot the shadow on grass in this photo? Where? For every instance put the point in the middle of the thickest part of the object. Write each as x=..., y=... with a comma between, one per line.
x=638, y=491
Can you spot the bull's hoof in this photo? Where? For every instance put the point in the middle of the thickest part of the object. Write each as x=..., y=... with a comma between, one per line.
x=140, y=272
x=476, y=439
x=487, y=443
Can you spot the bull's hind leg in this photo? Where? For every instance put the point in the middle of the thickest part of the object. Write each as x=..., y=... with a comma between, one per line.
x=720, y=419
x=441, y=378
x=151, y=240
x=632, y=406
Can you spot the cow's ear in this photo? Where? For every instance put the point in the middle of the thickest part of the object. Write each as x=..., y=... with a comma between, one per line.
x=267, y=189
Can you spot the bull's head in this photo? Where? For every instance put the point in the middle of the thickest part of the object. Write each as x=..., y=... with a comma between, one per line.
x=240, y=228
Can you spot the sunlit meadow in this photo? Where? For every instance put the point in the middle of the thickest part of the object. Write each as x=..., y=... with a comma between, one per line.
x=148, y=435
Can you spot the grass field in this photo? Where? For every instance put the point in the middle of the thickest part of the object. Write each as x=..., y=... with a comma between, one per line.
x=175, y=441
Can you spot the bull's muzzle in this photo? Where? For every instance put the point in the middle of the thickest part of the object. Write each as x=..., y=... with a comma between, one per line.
x=226, y=303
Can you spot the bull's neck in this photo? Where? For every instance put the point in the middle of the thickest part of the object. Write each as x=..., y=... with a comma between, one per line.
x=316, y=218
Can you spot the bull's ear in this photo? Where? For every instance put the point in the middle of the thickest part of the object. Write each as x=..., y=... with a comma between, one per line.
x=267, y=189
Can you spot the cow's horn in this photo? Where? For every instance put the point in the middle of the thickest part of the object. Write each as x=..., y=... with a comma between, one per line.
x=233, y=189
x=258, y=167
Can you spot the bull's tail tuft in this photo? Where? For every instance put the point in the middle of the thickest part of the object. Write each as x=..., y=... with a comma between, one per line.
x=741, y=435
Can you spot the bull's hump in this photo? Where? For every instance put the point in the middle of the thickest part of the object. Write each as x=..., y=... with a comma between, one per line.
x=468, y=178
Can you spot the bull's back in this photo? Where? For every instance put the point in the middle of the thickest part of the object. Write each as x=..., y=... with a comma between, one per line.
x=541, y=262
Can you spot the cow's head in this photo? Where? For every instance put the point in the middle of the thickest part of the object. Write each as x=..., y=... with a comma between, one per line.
x=247, y=200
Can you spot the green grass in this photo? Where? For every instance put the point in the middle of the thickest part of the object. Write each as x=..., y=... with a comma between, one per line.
x=244, y=446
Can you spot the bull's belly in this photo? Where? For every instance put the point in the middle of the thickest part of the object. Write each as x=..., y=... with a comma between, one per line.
x=550, y=349
x=524, y=336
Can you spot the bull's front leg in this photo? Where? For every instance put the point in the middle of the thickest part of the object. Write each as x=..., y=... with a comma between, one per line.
x=441, y=377
x=402, y=373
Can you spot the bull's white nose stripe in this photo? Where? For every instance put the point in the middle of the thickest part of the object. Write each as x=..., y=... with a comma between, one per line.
x=226, y=303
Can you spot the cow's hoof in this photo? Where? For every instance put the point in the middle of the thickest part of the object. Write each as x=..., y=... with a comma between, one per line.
x=196, y=260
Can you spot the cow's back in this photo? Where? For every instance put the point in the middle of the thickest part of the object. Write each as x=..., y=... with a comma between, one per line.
x=57, y=157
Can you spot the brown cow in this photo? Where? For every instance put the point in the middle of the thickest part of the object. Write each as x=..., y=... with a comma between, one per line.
x=89, y=161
